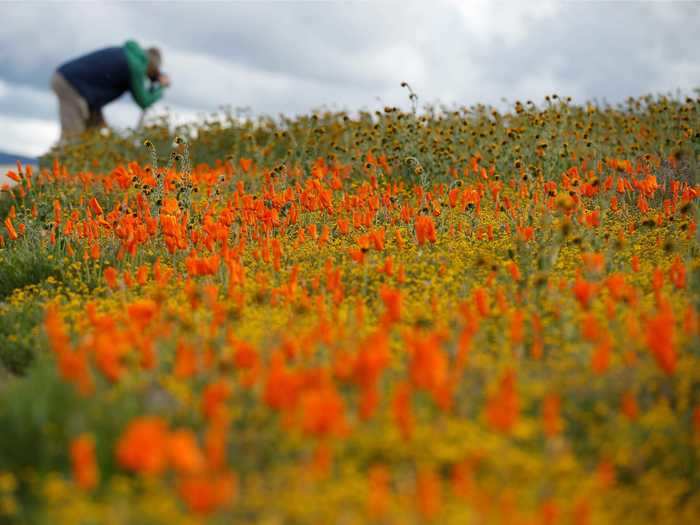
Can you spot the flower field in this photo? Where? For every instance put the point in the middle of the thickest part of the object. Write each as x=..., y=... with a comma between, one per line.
x=460, y=315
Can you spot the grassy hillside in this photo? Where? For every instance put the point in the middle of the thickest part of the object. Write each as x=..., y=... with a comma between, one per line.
x=443, y=316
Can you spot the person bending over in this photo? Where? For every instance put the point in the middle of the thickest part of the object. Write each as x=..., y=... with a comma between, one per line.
x=86, y=84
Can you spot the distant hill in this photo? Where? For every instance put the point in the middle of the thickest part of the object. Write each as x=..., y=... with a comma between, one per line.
x=11, y=158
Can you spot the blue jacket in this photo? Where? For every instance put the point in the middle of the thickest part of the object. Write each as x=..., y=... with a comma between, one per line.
x=106, y=74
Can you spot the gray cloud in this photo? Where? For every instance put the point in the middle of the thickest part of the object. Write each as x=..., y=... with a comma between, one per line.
x=293, y=56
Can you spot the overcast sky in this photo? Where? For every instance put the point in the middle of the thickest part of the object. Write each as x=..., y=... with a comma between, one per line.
x=291, y=57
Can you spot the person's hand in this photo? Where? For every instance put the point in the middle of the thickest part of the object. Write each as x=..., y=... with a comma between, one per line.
x=164, y=80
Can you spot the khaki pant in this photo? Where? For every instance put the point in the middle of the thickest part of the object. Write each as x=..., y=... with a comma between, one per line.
x=73, y=109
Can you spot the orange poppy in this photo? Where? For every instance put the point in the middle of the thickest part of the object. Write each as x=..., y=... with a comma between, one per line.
x=85, y=469
x=142, y=447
